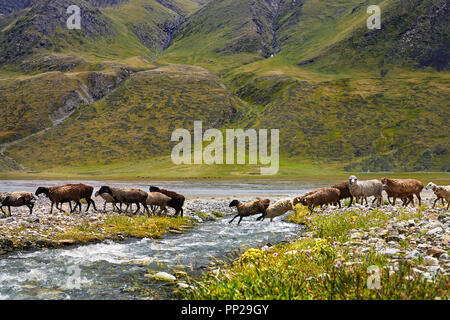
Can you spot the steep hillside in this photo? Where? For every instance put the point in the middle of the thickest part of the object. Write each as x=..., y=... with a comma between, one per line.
x=135, y=122
x=342, y=95
x=110, y=30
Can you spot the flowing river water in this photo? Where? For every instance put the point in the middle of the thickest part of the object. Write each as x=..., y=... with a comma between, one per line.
x=109, y=269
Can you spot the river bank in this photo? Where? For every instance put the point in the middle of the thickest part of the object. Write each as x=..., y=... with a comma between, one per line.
x=128, y=269
x=402, y=252
x=22, y=231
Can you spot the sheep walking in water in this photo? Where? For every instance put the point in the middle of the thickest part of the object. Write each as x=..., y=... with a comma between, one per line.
x=363, y=189
x=277, y=209
x=17, y=199
x=250, y=208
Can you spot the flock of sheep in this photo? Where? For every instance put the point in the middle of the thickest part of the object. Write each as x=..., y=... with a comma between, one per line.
x=404, y=189
x=114, y=195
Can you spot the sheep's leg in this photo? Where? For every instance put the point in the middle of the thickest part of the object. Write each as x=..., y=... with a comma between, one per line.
x=420, y=199
x=339, y=203
x=138, y=207
x=9, y=210
x=31, y=206
x=434, y=203
x=240, y=220
x=88, y=204
x=60, y=208
x=93, y=204
x=351, y=201
x=261, y=218
x=2, y=210
x=51, y=208
x=146, y=209
x=78, y=204
x=234, y=218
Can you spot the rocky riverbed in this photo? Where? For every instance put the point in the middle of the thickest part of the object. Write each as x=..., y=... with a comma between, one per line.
x=412, y=234
x=22, y=231
x=424, y=237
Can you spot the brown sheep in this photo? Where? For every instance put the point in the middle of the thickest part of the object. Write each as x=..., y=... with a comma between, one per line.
x=403, y=188
x=17, y=199
x=343, y=187
x=68, y=193
x=320, y=197
x=390, y=194
x=250, y=208
x=298, y=200
x=176, y=202
x=128, y=196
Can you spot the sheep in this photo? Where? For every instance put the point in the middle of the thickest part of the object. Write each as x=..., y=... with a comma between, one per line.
x=345, y=191
x=128, y=196
x=176, y=199
x=158, y=199
x=300, y=199
x=108, y=199
x=390, y=194
x=403, y=188
x=17, y=199
x=277, y=209
x=364, y=189
x=68, y=193
x=441, y=192
x=250, y=208
x=320, y=197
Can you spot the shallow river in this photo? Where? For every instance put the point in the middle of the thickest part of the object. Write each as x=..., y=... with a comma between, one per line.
x=108, y=269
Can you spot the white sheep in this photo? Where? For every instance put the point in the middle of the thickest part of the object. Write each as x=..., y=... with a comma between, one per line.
x=278, y=209
x=364, y=189
x=441, y=192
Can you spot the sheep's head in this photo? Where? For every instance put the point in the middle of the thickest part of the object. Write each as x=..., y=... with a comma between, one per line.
x=430, y=186
x=234, y=203
x=104, y=189
x=352, y=180
x=41, y=190
x=297, y=200
x=154, y=189
x=266, y=203
x=384, y=181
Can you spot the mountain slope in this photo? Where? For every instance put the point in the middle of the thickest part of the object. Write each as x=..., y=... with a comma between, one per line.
x=133, y=123
x=343, y=96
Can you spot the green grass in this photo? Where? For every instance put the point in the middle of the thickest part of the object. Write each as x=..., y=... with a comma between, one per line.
x=315, y=268
x=335, y=115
